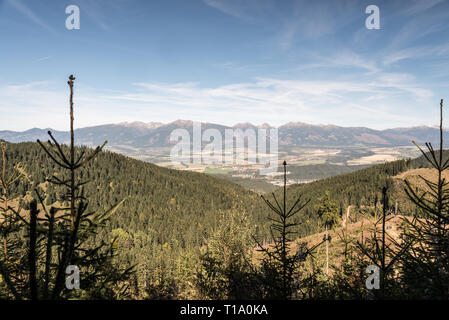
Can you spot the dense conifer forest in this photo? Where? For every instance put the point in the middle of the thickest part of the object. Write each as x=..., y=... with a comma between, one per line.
x=169, y=216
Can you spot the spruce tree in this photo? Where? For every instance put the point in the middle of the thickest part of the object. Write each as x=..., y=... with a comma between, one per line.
x=426, y=264
x=328, y=211
x=279, y=266
x=63, y=237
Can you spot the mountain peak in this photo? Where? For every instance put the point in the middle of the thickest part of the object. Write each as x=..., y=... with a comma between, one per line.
x=244, y=125
x=296, y=124
x=141, y=125
x=182, y=123
x=299, y=124
x=265, y=126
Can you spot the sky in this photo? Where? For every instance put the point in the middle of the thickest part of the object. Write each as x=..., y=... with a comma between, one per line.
x=224, y=61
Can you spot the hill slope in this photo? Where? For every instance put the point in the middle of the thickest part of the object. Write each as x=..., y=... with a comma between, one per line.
x=171, y=205
x=181, y=206
x=168, y=214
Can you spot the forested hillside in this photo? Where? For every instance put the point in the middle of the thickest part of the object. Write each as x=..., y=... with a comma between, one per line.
x=182, y=205
x=168, y=215
x=165, y=212
x=166, y=204
x=361, y=189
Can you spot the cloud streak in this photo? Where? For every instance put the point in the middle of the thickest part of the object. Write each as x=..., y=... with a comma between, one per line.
x=376, y=102
x=23, y=9
x=278, y=101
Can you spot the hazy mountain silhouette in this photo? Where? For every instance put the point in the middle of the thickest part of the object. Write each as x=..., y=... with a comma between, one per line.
x=154, y=134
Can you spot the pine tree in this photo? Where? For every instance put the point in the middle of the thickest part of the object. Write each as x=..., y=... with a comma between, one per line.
x=280, y=267
x=383, y=251
x=328, y=211
x=63, y=237
x=225, y=270
x=7, y=218
x=426, y=264
x=9, y=226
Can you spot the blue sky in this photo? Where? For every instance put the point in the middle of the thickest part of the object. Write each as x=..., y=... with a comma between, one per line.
x=224, y=61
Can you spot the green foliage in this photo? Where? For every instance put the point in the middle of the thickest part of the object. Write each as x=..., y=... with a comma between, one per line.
x=279, y=268
x=380, y=250
x=162, y=206
x=36, y=267
x=328, y=211
x=426, y=239
x=225, y=270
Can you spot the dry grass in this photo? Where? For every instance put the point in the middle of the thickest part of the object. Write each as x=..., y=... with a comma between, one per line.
x=356, y=231
x=427, y=173
x=14, y=203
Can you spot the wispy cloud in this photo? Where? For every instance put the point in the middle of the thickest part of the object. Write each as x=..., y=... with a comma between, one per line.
x=277, y=100
x=417, y=52
x=95, y=12
x=23, y=9
x=376, y=101
x=43, y=58
x=27, y=86
x=45, y=105
x=348, y=58
x=425, y=20
x=227, y=8
x=311, y=61
x=247, y=10
x=418, y=6
x=315, y=19
x=295, y=20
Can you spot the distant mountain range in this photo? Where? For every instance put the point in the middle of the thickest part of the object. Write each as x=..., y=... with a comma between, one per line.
x=154, y=134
